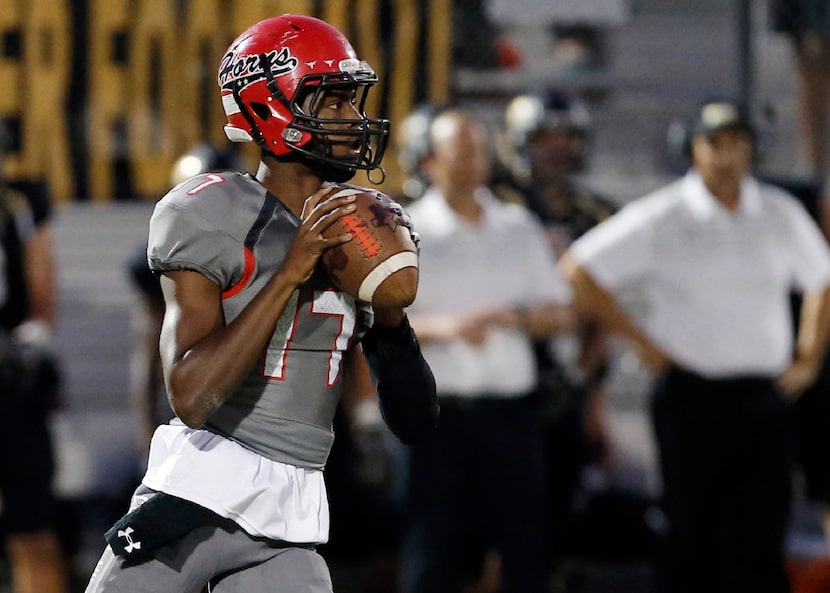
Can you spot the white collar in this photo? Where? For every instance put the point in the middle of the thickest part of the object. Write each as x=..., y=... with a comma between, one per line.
x=706, y=206
x=439, y=207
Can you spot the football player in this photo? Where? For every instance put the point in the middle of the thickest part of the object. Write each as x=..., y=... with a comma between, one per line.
x=257, y=346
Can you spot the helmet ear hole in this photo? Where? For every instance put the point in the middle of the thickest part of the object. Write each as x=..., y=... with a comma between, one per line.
x=261, y=110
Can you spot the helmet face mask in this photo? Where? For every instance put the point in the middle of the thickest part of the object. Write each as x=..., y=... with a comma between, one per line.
x=367, y=136
x=275, y=70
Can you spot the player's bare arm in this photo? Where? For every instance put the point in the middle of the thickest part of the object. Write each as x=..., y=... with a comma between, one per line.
x=203, y=358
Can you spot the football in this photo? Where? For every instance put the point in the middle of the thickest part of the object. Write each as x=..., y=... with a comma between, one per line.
x=379, y=266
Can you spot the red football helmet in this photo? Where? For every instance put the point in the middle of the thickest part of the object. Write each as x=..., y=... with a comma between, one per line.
x=266, y=76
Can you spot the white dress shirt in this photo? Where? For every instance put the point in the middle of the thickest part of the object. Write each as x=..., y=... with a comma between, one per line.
x=500, y=262
x=717, y=281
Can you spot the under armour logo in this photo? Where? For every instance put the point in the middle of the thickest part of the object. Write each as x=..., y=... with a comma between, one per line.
x=131, y=545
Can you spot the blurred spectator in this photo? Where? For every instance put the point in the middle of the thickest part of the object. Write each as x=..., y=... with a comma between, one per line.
x=412, y=147
x=29, y=384
x=807, y=23
x=546, y=148
x=488, y=287
x=717, y=253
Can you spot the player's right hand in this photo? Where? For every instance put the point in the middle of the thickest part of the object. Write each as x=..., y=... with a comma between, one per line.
x=319, y=212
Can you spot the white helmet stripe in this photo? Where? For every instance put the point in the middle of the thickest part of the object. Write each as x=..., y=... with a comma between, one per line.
x=230, y=105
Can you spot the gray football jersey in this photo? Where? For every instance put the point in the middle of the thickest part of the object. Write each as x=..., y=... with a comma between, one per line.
x=230, y=229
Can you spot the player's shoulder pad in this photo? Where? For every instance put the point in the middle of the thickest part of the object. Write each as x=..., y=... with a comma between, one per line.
x=201, y=225
x=206, y=188
x=213, y=197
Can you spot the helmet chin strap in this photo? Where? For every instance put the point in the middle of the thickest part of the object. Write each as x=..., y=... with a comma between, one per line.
x=337, y=173
x=382, y=176
x=331, y=171
x=318, y=156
